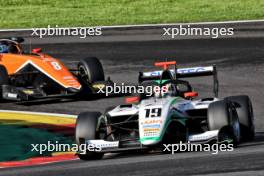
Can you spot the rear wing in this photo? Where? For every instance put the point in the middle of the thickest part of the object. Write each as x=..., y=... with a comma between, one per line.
x=184, y=73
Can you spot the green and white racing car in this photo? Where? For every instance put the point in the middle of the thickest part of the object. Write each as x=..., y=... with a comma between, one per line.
x=170, y=116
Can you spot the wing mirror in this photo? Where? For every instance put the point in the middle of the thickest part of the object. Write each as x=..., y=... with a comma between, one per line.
x=36, y=50
x=190, y=94
x=130, y=100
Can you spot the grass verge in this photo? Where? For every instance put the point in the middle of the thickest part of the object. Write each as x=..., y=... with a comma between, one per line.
x=40, y=13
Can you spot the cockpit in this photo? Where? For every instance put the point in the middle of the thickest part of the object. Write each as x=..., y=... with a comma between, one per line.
x=10, y=46
x=164, y=88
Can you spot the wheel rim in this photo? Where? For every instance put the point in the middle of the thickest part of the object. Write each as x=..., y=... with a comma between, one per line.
x=235, y=125
x=84, y=74
x=252, y=125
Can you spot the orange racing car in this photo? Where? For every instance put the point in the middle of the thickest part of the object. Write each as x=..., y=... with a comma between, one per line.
x=28, y=76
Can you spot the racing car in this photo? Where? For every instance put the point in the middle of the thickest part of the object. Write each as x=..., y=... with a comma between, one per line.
x=171, y=115
x=35, y=75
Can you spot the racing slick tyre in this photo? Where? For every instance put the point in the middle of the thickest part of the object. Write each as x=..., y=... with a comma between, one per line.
x=245, y=114
x=3, y=79
x=91, y=70
x=86, y=129
x=222, y=116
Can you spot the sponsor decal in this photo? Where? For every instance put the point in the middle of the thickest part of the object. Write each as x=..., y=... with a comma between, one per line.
x=29, y=92
x=151, y=130
x=12, y=95
x=152, y=121
x=104, y=144
x=155, y=73
x=151, y=126
x=68, y=78
x=181, y=71
x=191, y=70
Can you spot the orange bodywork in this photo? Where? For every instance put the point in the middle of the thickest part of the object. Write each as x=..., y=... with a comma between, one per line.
x=51, y=67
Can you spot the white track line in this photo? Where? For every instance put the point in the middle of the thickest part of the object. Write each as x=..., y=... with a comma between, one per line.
x=147, y=25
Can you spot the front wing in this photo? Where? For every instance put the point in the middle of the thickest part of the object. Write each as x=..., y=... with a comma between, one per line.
x=116, y=146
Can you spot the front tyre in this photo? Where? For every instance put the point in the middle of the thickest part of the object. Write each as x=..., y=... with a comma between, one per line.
x=90, y=70
x=86, y=129
x=245, y=114
x=222, y=116
x=3, y=79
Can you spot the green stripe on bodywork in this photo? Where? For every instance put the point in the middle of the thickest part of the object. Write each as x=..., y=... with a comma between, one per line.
x=175, y=100
x=149, y=139
x=229, y=141
x=161, y=81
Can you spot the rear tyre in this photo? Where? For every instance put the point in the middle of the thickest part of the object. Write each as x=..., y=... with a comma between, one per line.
x=222, y=116
x=3, y=79
x=86, y=129
x=245, y=114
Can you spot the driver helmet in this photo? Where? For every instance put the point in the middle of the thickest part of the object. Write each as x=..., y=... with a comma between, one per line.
x=3, y=48
x=164, y=90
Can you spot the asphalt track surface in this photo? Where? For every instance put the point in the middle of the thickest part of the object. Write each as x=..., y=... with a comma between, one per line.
x=240, y=63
